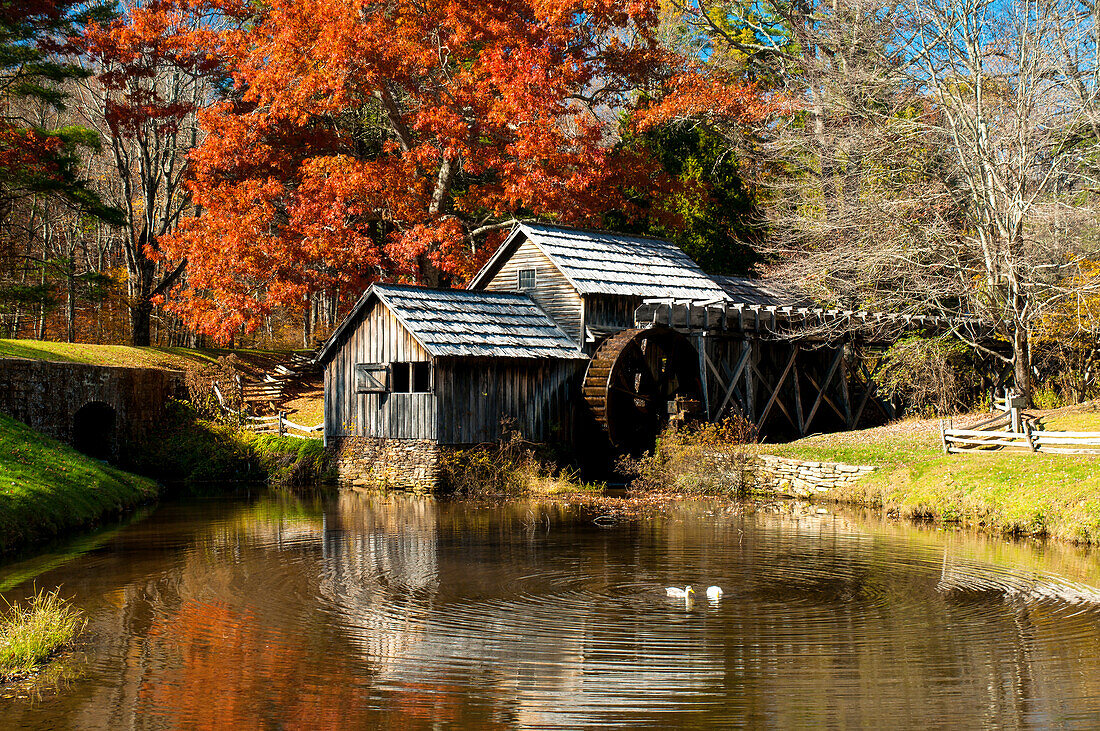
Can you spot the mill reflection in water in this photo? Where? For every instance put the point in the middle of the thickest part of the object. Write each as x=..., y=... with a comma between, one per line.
x=368, y=611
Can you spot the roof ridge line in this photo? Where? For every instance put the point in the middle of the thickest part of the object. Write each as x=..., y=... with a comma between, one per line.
x=583, y=229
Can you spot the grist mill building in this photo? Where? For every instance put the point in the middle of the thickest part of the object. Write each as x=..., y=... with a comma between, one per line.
x=587, y=337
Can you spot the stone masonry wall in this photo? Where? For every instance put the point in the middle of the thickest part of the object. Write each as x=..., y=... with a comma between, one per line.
x=800, y=478
x=46, y=396
x=368, y=462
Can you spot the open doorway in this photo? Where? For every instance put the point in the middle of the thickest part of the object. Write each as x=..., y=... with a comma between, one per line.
x=94, y=430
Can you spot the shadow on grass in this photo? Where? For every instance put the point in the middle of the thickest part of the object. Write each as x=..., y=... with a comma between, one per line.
x=19, y=349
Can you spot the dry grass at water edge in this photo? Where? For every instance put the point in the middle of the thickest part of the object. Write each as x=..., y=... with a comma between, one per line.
x=510, y=466
x=34, y=631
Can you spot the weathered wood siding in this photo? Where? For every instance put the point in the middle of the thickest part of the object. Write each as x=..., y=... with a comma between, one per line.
x=606, y=311
x=476, y=394
x=552, y=290
x=378, y=338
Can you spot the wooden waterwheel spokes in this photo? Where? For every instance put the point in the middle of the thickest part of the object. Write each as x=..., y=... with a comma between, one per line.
x=633, y=377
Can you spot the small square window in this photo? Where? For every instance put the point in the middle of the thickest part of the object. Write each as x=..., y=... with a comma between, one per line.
x=526, y=279
x=411, y=377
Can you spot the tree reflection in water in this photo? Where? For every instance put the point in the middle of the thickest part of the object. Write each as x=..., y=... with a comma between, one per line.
x=398, y=611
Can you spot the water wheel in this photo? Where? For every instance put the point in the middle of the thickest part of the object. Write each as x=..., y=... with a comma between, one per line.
x=634, y=380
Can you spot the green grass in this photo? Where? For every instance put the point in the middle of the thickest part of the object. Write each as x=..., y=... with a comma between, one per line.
x=48, y=488
x=291, y=462
x=126, y=355
x=1021, y=494
x=866, y=446
x=1072, y=420
x=192, y=451
x=34, y=631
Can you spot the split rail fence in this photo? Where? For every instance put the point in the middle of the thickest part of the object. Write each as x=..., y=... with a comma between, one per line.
x=274, y=424
x=1015, y=431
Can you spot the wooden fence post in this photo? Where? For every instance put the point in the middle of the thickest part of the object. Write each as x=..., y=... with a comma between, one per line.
x=282, y=423
x=1029, y=437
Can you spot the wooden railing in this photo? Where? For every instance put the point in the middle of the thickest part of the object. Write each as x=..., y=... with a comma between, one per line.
x=279, y=424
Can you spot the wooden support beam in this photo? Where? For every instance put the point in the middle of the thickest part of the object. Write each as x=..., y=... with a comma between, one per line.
x=885, y=406
x=731, y=388
x=701, y=346
x=825, y=397
x=774, y=398
x=797, y=398
x=862, y=405
x=750, y=392
x=714, y=370
x=833, y=367
x=869, y=389
x=845, y=396
x=778, y=402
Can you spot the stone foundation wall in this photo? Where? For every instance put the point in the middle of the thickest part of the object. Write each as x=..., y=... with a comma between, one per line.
x=800, y=478
x=369, y=462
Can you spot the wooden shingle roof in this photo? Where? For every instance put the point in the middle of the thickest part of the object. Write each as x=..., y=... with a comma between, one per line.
x=742, y=290
x=462, y=323
x=605, y=263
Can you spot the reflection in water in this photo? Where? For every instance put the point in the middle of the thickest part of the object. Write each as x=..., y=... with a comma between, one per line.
x=370, y=610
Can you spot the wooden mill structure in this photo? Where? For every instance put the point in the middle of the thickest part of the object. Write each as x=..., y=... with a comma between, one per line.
x=566, y=332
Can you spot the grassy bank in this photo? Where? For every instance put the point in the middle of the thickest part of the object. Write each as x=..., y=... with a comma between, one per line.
x=33, y=631
x=182, y=359
x=48, y=488
x=191, y=451
x=1020, y=494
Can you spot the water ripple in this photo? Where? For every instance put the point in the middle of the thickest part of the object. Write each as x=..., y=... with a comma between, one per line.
x=382, y=612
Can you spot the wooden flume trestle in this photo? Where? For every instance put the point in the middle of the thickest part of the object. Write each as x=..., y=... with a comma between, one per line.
x=775, y=366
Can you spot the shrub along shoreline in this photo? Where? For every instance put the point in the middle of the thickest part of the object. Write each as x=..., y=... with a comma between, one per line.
x=34, y=631
x=1041, y=495
x=189, y=451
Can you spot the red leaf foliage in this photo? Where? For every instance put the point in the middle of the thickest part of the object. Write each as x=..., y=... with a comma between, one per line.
x=395, y=140
x=134, y=53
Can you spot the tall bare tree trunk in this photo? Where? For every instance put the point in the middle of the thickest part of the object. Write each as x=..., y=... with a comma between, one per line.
x=70, y=301
x=141, y=305
x=1021, y=358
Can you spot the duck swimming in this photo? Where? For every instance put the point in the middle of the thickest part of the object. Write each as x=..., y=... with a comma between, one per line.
x=676, y=593
x=714, y=593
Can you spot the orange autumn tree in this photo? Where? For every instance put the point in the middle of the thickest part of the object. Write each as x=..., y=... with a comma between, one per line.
x=399, y=140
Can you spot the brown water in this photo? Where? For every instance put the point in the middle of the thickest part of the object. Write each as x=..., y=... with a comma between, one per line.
x=367, y=612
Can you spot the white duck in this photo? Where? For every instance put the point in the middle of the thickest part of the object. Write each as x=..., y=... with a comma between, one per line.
x=714, y=593
x=676, y=593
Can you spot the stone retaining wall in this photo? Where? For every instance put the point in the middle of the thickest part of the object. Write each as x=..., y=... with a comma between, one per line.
x=49, y=397
x=802, y=478
x=370, y=462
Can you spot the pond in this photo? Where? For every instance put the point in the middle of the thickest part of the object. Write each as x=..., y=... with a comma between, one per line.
x=369, y=611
